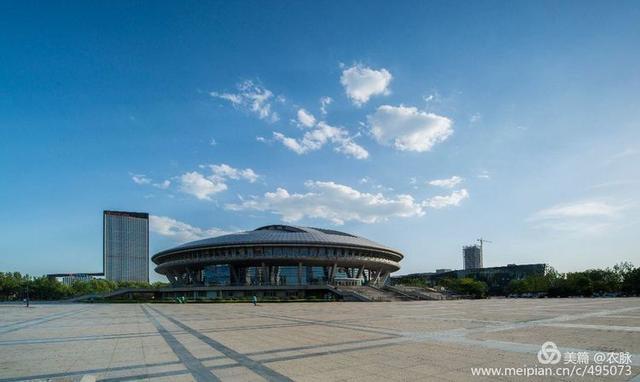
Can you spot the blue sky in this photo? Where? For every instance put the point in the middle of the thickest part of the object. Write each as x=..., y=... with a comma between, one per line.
x=421, y=125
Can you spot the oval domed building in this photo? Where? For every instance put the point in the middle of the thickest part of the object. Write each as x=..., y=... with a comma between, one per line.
x=278, y=256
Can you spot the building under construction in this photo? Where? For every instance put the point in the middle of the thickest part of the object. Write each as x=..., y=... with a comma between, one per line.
x=472, y=255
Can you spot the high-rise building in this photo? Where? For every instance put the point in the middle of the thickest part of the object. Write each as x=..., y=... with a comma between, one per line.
x=472, y=256
x=126, y=246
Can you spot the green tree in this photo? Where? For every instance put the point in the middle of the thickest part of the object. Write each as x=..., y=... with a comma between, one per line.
x=631, y=282
x=466, y=286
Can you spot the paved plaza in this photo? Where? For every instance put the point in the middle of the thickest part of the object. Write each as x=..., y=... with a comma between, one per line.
x=403, y=341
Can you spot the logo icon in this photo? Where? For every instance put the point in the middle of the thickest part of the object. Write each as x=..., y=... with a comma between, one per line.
x=549, y=354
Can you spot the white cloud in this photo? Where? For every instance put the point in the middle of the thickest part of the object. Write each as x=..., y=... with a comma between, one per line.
x=334, y=202
x=339, y=203
x=196, y=184
x=446, y=183
x=348, y=147
x=361, y=83
x=140, y=179
x=163, y=185
x=253, y=98
x=179, y=231
x=204, y=186
x=484, y=175
x=213, y=142
x=622, y=155
x=583, y=209
x=587, y=217
x=324, y=102
x=291, y=143
x=305, y=118
x=145, y=180
x=323, y=133
x=407, y=128
x=226, y=171
x=615, y=183
x=454, y=199
x=477, y=117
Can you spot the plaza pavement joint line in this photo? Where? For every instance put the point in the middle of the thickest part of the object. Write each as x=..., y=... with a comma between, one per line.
x=274, y=358
x=199, y=372
x=37, y=321
x=242, y=359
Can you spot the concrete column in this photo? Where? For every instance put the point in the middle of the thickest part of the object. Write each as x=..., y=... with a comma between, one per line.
x=378, y=277
x=299, y=273
x=372, y=276
x=333, y=272
x=385, y=276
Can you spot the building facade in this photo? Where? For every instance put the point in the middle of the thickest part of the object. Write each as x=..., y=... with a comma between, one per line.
x=497, y=278
x=472, y=255
x=278, y=256
x=126, y=246
x=71, y=278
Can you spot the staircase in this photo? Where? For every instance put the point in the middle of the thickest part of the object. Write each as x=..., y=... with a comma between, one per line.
x=418, y=293
x=370, y=293
x=97, y=296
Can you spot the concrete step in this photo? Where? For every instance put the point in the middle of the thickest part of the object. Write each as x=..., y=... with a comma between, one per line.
x=374, y=294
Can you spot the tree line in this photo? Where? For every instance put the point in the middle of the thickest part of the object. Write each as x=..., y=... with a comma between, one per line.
x=14, y=286
x=621, y=280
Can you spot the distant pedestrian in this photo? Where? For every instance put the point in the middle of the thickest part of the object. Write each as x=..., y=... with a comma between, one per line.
x=254, y=299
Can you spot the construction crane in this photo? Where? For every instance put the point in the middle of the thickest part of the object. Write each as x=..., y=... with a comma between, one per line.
x=482, y=241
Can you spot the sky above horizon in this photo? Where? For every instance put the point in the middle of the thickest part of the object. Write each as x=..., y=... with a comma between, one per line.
x=419, y=125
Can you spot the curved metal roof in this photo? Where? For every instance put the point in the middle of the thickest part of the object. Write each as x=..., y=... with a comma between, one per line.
x=282, y=234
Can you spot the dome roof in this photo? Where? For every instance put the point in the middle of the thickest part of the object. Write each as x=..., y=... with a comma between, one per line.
x=283, y=234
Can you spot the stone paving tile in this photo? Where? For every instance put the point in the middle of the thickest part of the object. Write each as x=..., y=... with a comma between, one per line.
x=628, y=320
x=412, y=341
x=594, y=339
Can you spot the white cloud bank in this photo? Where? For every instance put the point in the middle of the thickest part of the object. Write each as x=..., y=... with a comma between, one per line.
x=201, y=186
x=204, y=187
x=339, y=203
x=253, y=98
x=226, y=171
x=324, y=102
x=446, y=183
x=454, y=199
x=143, y=180
x=583, y=216
x=305, y=118
x=180, y=232
x=163, y=185
x=320, y=134
x=361, y=83
x=140, y=179
x=585, y=209
x=484, y=174
x=408, y=129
